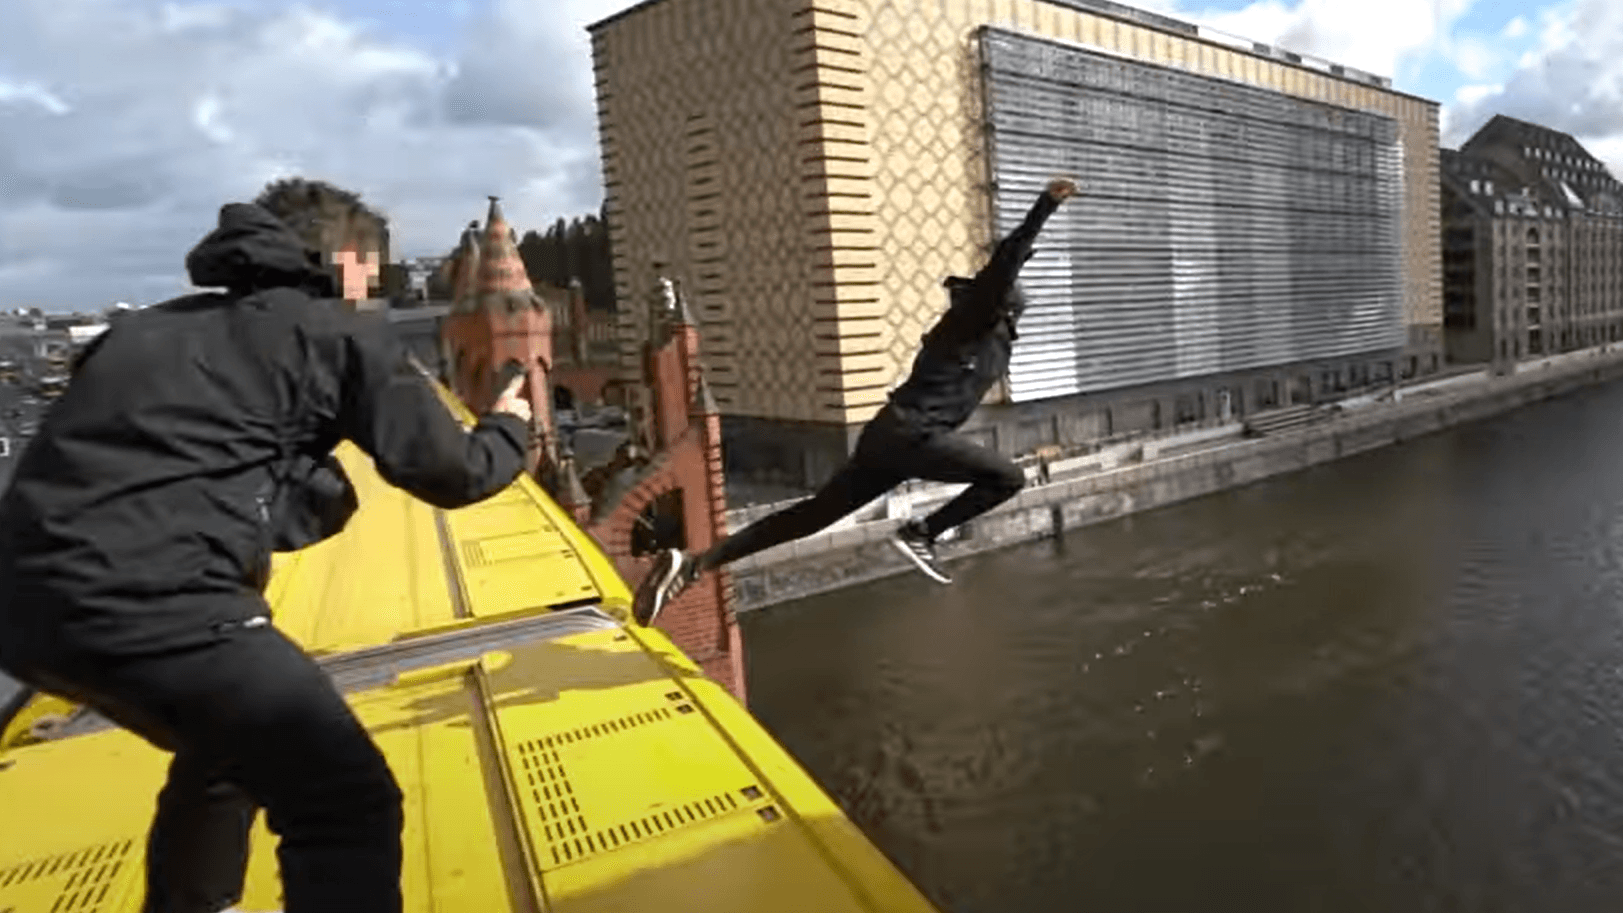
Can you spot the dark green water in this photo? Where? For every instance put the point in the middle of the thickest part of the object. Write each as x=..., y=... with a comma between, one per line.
x=1394, y=683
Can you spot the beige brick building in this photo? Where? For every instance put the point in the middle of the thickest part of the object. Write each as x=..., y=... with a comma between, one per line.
x=812, y=169
x=1532, y=246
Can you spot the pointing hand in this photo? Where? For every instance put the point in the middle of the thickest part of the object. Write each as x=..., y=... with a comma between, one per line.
x=513, y=404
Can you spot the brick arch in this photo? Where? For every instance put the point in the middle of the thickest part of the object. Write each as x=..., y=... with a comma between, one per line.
x=693, y=619
x=613, y=532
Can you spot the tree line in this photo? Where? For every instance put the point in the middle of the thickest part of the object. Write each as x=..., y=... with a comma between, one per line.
x=573, y=249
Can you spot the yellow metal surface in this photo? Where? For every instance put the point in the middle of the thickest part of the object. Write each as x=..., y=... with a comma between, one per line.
x=40, y=712
x=593, y=772
x=403, y=567
x=76, y=814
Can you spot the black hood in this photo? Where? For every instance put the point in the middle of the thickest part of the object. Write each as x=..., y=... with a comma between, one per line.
x=252, y=249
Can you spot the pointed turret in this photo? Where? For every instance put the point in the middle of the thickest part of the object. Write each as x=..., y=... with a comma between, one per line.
x=684, y=315
x=704, y=402
x=503, y=283
x=662, y=310
x=465, y=270
x=571, y=493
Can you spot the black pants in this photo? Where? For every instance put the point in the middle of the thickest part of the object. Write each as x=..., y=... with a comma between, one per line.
x=253, y=723
x=888, y=454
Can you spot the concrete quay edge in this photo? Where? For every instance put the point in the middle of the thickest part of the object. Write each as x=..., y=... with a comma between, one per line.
x=856, y=553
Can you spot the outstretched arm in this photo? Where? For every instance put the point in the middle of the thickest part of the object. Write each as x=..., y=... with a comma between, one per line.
x=977, y=308
x=391, y=413
x=1013, y=251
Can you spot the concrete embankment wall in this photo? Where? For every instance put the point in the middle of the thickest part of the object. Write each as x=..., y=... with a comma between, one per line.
x=856, y=551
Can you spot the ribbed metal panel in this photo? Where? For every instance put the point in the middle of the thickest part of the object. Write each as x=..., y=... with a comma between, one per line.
x=1222, y=227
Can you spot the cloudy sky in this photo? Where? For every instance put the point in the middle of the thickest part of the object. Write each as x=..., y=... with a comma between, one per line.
x=124, y=124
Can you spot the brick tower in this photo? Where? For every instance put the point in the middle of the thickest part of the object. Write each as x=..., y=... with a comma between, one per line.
x=497, y=317
x=677, y=491
x=672, y=484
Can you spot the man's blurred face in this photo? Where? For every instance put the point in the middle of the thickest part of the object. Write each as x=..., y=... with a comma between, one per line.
x=357, y=271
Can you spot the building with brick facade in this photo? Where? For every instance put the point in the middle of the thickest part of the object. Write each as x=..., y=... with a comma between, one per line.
x=1532, y=246
x=671, y=492
x=811, y=171
x=586, y=346
x=667, y=491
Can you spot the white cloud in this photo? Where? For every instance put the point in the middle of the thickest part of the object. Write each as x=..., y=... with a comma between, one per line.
x=31, y=94
x=124, y=125
x=1473, y=56
x=1470, y=95
x=1571, y=80
x=1377, y=36
x=1515, y=28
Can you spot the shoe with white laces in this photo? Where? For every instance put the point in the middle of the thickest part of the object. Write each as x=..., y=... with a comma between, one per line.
x=919, y=547
x=673, y=570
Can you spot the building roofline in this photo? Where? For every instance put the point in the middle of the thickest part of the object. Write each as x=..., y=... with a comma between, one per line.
x=1505, y=120
x=1120, y=12
x=615, y=17
x=1231, y=80
x=1135, y=16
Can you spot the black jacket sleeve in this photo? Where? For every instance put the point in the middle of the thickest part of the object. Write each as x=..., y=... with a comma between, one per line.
x=978, y=305
x=1013, y=251
x=389, y=410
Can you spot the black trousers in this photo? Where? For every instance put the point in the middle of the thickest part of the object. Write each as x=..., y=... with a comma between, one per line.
x=253, y=723
x=888, y=454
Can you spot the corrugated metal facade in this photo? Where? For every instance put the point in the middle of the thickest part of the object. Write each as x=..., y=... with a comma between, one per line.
x=1223, y=227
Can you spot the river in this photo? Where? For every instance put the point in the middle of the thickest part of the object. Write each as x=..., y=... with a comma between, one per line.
x=1392, y=683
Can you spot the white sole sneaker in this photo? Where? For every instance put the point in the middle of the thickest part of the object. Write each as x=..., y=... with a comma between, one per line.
x=919, y=561
x=655, y=591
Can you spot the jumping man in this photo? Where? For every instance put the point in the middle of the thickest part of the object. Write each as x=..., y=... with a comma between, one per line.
x=912, y=436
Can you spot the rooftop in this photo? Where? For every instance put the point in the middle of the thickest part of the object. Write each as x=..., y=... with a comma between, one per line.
x=1521, y=168
x=1137, y=16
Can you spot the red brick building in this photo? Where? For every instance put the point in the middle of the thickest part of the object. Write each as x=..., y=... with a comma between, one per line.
x=668, y=488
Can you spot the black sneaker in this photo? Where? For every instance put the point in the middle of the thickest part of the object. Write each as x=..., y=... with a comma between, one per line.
x=671, y=573
x=911, y=540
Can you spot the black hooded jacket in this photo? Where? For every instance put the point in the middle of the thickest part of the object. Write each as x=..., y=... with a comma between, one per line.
x=196, y=437
x=968, y=349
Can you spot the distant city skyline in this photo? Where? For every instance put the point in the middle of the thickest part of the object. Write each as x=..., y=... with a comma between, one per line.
x=125, y=124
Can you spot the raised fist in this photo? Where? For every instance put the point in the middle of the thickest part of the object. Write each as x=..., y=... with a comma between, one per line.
x=1062, y=189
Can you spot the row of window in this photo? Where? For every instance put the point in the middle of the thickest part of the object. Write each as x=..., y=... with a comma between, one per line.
x=1546, y=155
x=1512, y=348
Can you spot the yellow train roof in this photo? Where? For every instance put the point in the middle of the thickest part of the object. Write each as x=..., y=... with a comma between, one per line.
x=554, y=756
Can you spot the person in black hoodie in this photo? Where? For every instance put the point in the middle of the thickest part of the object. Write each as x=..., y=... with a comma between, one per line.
x=960, y=358
x=135, y=539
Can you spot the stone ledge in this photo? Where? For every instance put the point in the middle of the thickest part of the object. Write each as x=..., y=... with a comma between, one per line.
x=845, y=557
